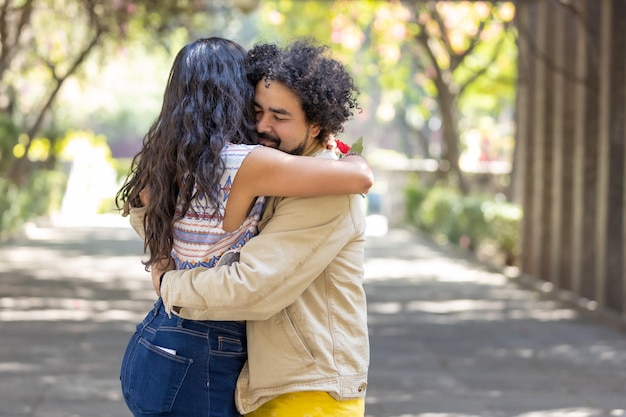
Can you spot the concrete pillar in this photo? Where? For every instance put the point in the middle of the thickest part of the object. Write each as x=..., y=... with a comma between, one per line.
x=557, y=40
x=571, y=103
x=612, y=183
x=527, y=17
x=604, y=110
x=522, y=124
x=578, y=198
x=590, y=150
x=536, y=152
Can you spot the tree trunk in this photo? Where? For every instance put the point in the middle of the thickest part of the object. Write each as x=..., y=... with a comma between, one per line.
x=447, y=109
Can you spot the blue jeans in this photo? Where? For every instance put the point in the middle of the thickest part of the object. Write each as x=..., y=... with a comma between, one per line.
x=177, y=367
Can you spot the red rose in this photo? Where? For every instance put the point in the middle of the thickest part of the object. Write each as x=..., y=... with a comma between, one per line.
x=343, y=148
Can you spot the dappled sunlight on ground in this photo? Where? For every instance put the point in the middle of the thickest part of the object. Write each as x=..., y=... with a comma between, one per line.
x=81, y=281
x=435, y=266
x=459, y=339
x=82, y=311
x=453, y=311
x=449, y=337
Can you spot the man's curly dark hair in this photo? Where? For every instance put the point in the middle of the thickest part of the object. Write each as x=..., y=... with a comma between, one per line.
x=327, y=92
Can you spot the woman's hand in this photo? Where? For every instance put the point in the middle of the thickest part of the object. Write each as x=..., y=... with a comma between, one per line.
x=158, y=269
x=144, y=195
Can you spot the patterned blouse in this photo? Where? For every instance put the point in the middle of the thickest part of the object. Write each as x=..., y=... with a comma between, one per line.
x=199, y=239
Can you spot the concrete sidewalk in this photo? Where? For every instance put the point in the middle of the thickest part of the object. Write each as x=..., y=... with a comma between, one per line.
x=449, y=338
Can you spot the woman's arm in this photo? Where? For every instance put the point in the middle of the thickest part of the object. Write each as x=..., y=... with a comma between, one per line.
x=269, y=172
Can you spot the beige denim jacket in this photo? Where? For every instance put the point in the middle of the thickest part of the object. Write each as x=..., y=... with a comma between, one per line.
x=299, y=284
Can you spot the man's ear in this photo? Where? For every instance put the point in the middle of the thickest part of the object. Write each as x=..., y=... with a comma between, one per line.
x=315, y=130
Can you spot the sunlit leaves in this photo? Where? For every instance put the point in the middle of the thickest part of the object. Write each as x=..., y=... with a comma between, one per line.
x=67, y=33
x=75, y=142
x=346, y=34
x=39, y=149
x=389, y=31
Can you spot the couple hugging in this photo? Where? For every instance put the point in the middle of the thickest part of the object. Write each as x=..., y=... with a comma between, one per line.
x=254, y=227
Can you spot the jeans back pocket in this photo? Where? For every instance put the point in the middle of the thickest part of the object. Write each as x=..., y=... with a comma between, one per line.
x=153, y=378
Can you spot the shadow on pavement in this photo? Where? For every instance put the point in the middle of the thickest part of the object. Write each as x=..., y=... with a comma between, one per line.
x=449, y=337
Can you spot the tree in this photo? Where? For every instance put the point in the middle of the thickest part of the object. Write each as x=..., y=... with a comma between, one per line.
x=43, y=43
x=452, y=35
x=415, y=50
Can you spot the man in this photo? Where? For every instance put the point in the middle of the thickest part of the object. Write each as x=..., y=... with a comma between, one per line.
x=299, y=283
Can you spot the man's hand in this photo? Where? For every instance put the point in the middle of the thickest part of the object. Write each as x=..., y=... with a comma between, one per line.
x=159, y=268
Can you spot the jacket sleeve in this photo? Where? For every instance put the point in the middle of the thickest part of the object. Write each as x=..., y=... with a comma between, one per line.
x=137, y=214
x=275, y=267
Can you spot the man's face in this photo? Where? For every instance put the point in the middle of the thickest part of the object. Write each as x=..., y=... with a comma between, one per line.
x=280, y=120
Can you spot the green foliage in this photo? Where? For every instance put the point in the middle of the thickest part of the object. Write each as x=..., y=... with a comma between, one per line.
x=470, y=51
x=18, y=205
x=468, y=221
x=45, y=188
x=357, y=146
x=122, y=167
x=107, y=205
x=68, y=64
x=8, y=137
x=54, y=53
x=496, y=90
x=414, y=197
x=439, y=211
x=504, y=219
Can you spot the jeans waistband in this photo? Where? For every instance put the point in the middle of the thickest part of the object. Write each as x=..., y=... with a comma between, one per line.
x=203, y=326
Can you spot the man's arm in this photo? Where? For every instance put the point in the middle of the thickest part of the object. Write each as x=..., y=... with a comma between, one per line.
x=137, y=214
x=297, y=244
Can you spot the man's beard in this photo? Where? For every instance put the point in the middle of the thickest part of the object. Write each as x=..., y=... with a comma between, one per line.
x=275, y=142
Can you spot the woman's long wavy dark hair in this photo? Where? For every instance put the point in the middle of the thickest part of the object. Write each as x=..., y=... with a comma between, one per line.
x=208, y=101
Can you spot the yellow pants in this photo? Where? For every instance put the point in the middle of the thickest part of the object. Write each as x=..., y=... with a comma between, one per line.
x=310, y=404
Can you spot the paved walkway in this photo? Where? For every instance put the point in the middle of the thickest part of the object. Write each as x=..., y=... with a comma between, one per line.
x=449, y=338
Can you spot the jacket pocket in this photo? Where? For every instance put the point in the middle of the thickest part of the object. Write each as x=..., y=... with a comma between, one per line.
x=294, y=336
x=153, y=377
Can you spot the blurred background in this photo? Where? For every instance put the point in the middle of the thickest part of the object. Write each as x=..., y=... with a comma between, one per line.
x=495, y=126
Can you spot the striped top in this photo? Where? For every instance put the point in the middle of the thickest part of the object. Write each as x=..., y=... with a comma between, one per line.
x=199, y=239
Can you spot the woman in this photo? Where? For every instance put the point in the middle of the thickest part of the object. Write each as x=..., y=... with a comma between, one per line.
x=185, y=179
